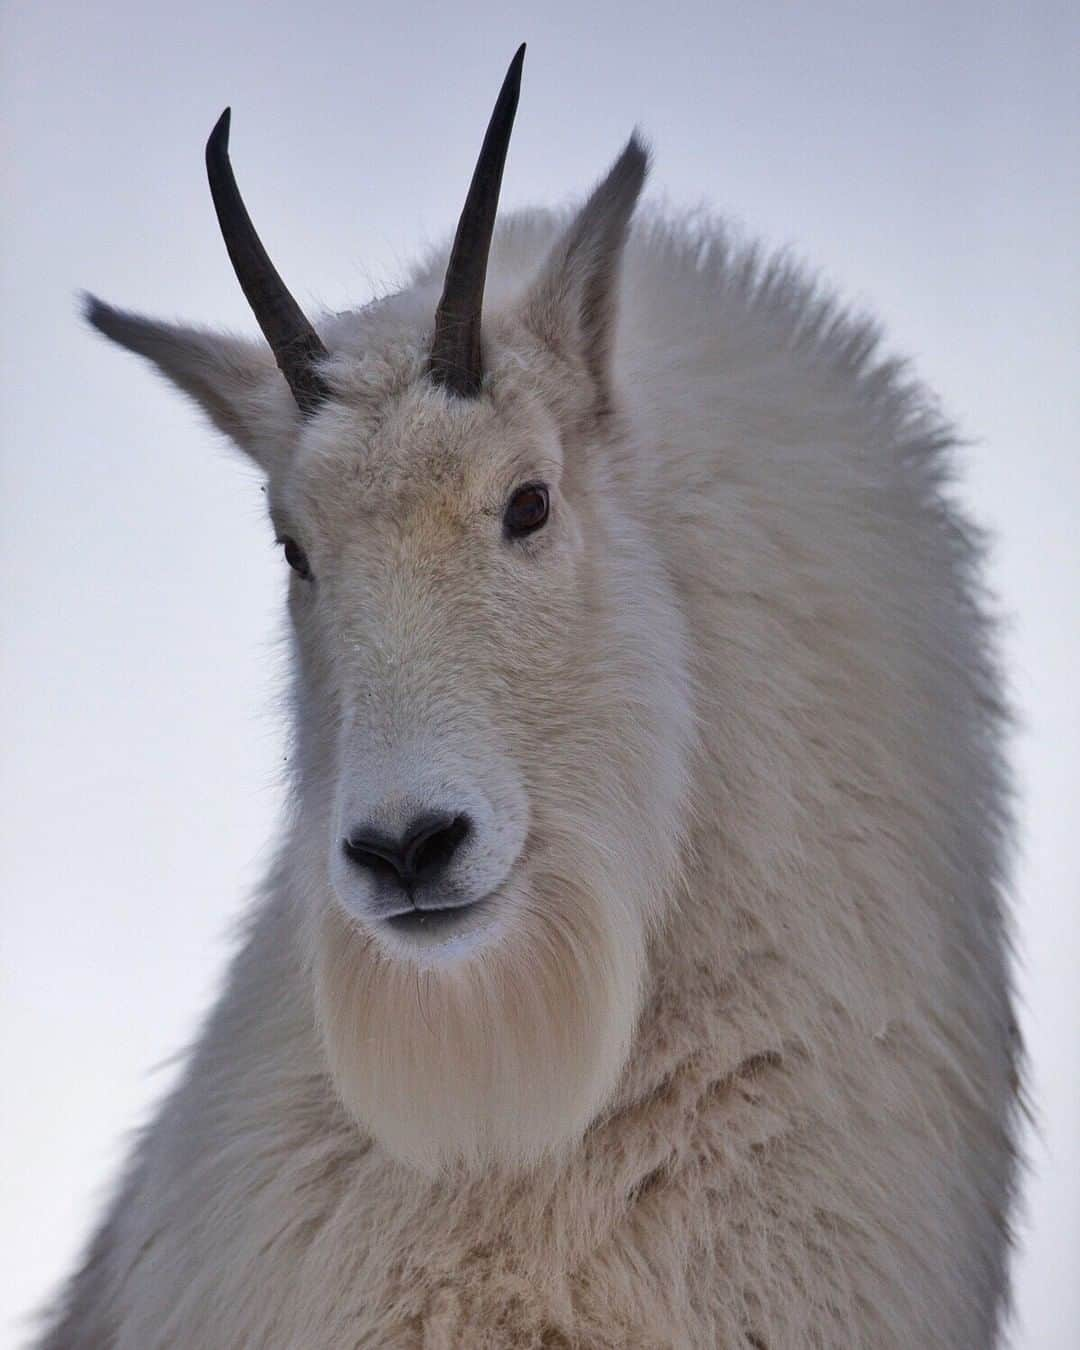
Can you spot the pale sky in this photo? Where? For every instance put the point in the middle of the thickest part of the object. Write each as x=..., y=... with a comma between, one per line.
x=924, y=156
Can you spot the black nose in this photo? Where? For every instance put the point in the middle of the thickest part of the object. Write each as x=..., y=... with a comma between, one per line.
x=424, y=851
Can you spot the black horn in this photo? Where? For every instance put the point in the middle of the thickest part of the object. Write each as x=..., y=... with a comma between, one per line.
x=455, y=351
x=295, y=344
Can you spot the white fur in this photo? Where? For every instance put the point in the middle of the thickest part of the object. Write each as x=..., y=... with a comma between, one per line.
x=731, y=1061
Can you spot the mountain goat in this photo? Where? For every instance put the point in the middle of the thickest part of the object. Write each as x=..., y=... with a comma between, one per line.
x=633, y=971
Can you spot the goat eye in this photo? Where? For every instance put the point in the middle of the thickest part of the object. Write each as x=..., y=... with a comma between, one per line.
x=526, y=510
x=296, y=558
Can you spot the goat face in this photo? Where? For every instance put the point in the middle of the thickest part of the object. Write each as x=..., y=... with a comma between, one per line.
x=468, y=599
x=490, y=660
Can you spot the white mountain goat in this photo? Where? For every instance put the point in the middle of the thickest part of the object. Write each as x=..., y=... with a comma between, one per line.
x=633, y=973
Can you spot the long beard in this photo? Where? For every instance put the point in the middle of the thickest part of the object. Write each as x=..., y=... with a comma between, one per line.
x=502, y=1058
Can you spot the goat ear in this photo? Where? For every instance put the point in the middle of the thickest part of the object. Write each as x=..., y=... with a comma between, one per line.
x=234, y=381
x=571, y=305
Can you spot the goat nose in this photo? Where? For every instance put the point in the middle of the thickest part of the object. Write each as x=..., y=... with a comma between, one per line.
x=426, y=848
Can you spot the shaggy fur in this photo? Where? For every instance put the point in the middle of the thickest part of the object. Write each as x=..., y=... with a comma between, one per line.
x=733, y=1066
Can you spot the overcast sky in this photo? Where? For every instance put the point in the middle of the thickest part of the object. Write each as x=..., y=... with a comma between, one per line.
x=924, y=155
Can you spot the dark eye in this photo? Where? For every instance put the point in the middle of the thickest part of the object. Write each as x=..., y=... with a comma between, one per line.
x=526, y=510
x=296, y=558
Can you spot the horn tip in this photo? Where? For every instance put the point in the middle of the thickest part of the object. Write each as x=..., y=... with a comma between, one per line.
x=219, y=137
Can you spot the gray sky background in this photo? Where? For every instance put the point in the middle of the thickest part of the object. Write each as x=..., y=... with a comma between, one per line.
x=925, y=156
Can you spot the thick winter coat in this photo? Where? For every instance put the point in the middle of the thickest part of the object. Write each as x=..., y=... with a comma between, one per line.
x=722, y=1054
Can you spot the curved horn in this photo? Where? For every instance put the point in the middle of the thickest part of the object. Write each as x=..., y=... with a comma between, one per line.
x=295, y=344
x=455, y=352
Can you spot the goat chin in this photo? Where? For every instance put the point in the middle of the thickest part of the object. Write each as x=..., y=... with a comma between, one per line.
x=499, y=1059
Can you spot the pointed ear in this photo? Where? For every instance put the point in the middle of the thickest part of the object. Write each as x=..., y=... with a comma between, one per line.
x=571, y=305
x=234, y=381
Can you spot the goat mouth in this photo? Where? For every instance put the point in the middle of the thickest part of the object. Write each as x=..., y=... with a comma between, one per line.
x=438, y=922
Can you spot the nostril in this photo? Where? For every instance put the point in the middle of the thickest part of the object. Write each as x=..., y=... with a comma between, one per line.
x=432, y=842
x=427, y=848
x=375, y=852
